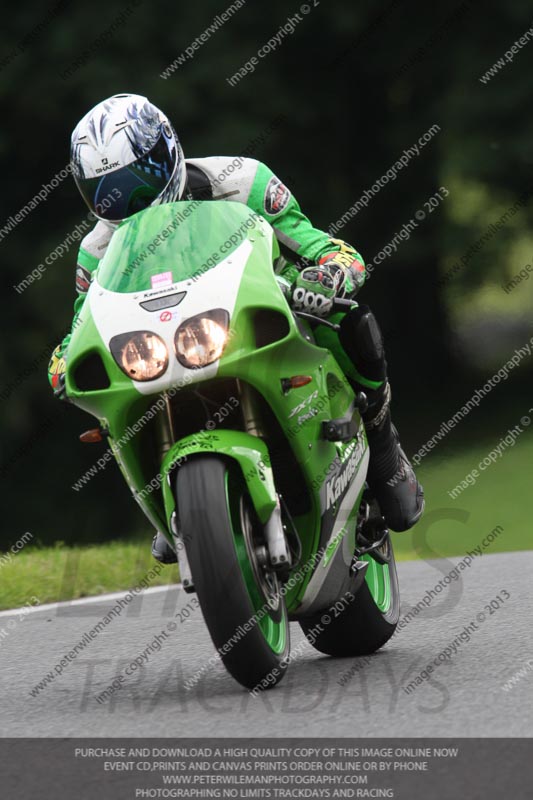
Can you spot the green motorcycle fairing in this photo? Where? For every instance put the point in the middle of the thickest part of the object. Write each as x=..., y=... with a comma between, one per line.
x=177, y=261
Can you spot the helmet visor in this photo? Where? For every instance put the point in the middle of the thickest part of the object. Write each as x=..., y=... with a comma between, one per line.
x=119, y=193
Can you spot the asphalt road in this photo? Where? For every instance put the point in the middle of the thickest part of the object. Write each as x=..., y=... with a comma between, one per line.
x=462, y=697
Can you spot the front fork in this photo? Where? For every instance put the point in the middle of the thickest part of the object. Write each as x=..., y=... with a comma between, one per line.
x=165, y=434
x=165, y=438
x=251, y=453
x=276, y=542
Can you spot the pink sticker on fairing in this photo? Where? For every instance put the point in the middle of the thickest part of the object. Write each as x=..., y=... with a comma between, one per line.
x=162, y=279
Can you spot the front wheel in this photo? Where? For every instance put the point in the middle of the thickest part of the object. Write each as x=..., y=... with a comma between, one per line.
x=239, y=596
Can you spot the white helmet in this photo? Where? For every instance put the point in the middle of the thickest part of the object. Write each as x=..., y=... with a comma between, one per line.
x=125, y=156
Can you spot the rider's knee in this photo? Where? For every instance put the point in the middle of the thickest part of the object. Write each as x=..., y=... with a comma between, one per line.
x=361, y=337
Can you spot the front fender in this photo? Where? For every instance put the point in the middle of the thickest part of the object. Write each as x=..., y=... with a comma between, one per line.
x=248, y=451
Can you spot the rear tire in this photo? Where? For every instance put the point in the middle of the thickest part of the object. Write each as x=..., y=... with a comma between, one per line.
x=224, y=540
x=368, y=621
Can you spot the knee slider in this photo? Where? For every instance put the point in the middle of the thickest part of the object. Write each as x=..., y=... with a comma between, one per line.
x=361, y=328
x=361, y=339
x=369, y=340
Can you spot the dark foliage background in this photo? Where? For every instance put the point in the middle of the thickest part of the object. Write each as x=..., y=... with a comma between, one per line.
x=356, y=84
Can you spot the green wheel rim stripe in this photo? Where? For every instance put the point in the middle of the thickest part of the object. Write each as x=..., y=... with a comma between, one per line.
x=274, y=632
x=378, y=581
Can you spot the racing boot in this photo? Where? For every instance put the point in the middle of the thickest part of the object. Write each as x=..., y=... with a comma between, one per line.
x=390, y=474
x=162, y=551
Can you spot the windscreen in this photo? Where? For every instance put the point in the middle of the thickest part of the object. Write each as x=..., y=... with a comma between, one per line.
x=172, y=242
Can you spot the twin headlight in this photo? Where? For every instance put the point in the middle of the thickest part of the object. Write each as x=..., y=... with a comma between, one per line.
x=199, y=340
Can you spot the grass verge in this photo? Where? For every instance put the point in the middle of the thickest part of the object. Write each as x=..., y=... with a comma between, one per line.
x=498, y=496
x=68, y=573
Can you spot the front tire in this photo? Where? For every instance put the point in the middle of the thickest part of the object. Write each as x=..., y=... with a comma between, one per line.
x=225, y=547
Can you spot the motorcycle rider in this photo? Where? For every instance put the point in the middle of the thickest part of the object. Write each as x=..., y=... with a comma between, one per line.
x=125, y=156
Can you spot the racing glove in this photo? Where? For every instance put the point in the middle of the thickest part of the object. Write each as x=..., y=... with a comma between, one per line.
x=315, y=289
x=351, y=265
x=57, y=372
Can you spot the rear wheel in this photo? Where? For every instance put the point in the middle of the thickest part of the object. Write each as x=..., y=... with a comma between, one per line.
x=368, y=621
x=238, y=594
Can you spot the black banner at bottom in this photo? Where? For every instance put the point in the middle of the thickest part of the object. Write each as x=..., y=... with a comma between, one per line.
x=127, y=769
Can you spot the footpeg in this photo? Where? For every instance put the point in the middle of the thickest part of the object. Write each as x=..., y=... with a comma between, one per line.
x=372, y=539
x=358, y=570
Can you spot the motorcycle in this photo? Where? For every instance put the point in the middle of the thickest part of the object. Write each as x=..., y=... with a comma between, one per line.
x=238, y=435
